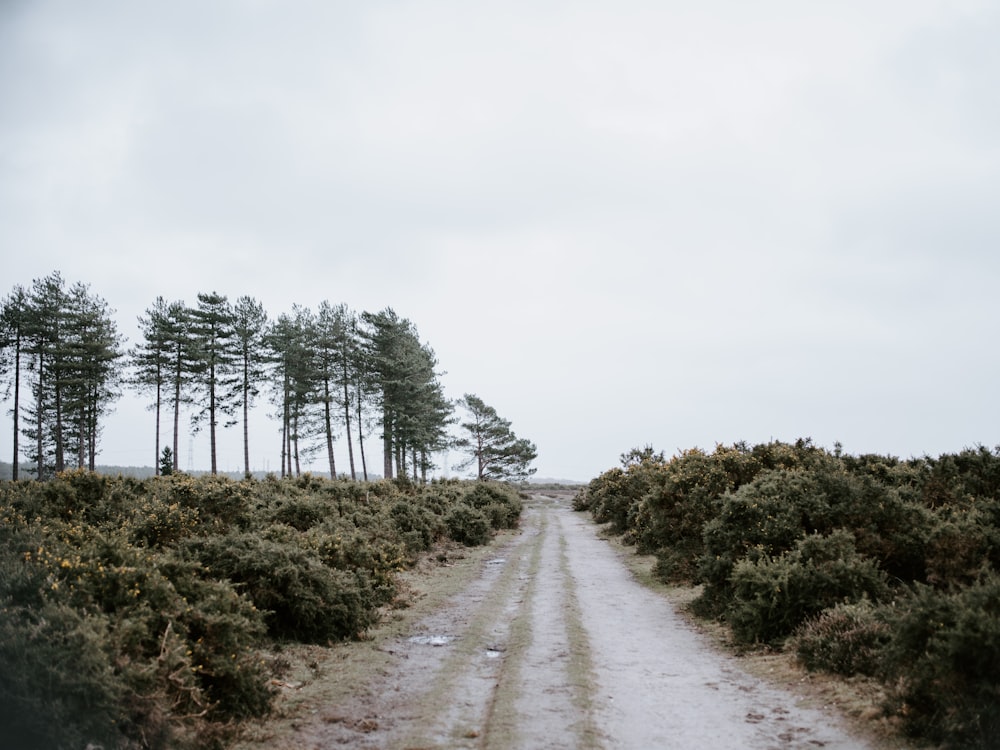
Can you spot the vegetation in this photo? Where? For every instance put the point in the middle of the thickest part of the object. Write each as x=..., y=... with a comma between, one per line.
x=133, y=613
x=493, y=448
x=62, y=345
x=332, y=375
x=862, y=565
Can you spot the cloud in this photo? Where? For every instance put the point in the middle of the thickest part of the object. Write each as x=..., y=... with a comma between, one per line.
x=617, y=223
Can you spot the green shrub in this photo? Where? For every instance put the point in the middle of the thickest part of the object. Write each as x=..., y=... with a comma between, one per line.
x=131, y=611
x=373, y=561
x=59, y=688
x=301, y=598
x=943, y=662
x=301, y=514
x=773, y=595
x=152, y=522
x=678, y=563
x=417, y=524
x=760, y=520
x=846, y=639
x=681, y=498
x=500, y=503
x=582, y=500
x=960, y=547
x=221, y=502
x=468, y=526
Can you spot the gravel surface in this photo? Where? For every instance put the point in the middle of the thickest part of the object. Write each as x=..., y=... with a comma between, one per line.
x=555, y=645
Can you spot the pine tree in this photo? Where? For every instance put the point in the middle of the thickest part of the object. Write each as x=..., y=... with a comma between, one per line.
x=495, y=451
x=211, y=337
x=43, y=323
x=72, y=347
x=12, y=345
x=150, y=363
x=414, y=411
x=349, y=375
x=288, y=341
x=249, y=331
x=89, y=375
x=178, y=346
x=326, y=350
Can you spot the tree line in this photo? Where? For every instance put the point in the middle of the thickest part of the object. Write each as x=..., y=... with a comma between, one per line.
x=328, y=374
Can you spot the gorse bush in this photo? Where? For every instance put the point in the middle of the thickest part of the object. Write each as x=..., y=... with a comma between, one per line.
x=301, y=598
x=774, y=595
x=943, y=661
x=132, y=612
x=467, y=525
x=846, y=639
x=58, y=688
x=790, y=538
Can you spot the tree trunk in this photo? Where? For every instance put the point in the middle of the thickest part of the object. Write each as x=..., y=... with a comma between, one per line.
x=59, y=442
x=92, y=447
x=177, y=409
x=295, y=439
x=211, y=415
x=246, y=418
x=387, y=444
x=81, y=440
x=347, y=428
x=17, y=405
x=159, y=402
x=40, y=469
x=361, y=441
x=286, y=429
x=328, y=425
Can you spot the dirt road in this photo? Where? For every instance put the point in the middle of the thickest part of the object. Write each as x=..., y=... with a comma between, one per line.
x=555, y=645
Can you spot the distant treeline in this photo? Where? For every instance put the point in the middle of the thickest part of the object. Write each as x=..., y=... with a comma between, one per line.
x=144, y=472
x=862, y=565
x=330, y=375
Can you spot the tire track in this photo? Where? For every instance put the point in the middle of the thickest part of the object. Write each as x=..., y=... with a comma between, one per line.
x=543, y=700
x=460, y=703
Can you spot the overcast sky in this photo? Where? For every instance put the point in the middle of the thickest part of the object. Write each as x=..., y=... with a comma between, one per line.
x=619, y=223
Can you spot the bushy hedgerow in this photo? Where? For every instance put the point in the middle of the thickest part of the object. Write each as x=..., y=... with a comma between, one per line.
x=301, y=598
x=613, y=496
x=59, y=689
x=419, y=527
x=781, y=534
x=767, y=516
x=132, y=639
x=662, y=505
x=773, y=595
x=943, y=661
x=132, y=612
x=962, y=544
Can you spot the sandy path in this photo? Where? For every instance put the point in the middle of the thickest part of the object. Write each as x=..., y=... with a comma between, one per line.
x=555, y=645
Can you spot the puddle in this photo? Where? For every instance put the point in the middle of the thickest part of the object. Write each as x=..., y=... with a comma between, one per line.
x=431, y=640
x=492, y=653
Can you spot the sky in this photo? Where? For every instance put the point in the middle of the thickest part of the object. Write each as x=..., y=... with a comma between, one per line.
x=620, y=224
